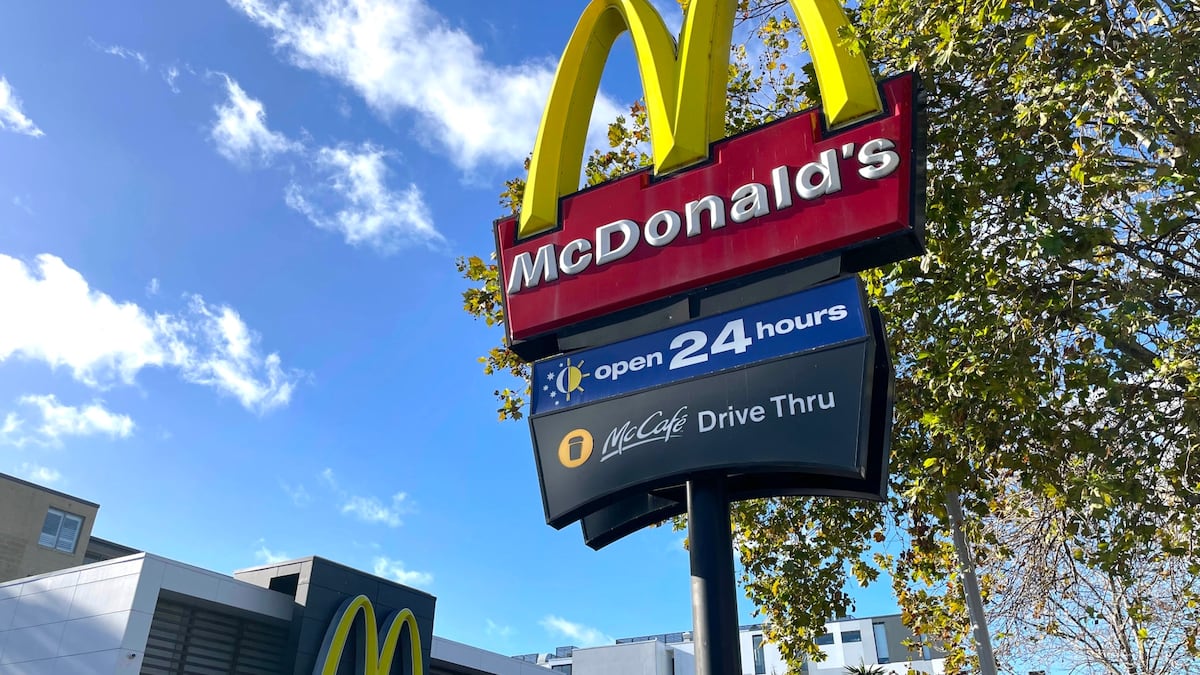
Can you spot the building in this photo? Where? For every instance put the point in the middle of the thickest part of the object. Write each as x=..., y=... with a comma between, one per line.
x=41, y=529
x=44, y=530
x=876, y=641
x=146, y=615
x=74, y=604
x=873, y=641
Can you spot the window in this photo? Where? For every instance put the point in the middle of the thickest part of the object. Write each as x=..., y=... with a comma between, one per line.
x=564, y=668
x=760, y=660
x=881, y=645
x=826, y=639
x=60, y=531
x=851, y=636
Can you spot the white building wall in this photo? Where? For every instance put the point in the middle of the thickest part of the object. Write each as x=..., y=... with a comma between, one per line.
x=95, y=619
x=772, y=660
x=841, y=654
x=684, y=659
x=634, y=658
x=80, y=621
x=481, y=659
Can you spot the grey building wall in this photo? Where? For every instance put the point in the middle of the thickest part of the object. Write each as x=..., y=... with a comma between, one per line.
x=320, y=586
x=99, y=550
x=897, y=633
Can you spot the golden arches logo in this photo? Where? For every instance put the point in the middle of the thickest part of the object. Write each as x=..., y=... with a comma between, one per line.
x=684, y=88
x=375, y=658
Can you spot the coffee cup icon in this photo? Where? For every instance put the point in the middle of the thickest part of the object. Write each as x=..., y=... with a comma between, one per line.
x=575, y=445
x=575, y=448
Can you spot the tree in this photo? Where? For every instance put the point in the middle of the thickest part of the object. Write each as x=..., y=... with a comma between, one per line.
x=1047, y=600
x=1047, y=344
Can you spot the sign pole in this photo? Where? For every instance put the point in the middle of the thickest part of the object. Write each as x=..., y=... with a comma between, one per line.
x=714, y=593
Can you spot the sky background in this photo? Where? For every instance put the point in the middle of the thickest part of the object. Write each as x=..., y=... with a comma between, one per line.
x=229, y=311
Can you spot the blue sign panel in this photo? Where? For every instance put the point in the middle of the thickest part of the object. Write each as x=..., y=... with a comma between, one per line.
x=812, y=319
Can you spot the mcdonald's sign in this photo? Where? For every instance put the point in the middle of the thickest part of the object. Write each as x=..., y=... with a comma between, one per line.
x=375, y=649
x=844, y=180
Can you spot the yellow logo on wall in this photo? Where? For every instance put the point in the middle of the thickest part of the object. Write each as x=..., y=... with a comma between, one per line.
x=373, y=658
x=575, y=448
x=684, y=85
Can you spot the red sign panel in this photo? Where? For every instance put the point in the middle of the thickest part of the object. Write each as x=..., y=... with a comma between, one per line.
x=775, y=195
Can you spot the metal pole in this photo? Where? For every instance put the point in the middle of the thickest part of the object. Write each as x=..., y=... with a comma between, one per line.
x=974, y=599
x=714, y=592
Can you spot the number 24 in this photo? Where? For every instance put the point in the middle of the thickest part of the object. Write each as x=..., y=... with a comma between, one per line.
x=732, y=338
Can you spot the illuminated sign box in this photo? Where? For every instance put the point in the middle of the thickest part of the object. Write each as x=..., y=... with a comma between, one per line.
x=755, y=411
x=782, y=193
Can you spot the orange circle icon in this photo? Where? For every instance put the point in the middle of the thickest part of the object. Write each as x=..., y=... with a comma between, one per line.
x=575, y=448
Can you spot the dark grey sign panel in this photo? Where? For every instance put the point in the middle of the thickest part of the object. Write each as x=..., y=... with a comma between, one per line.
x=803, y=413
x=632, y=513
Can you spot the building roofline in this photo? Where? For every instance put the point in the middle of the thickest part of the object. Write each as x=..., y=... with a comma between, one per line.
x=52, y=491
x=334, y=563
x=129, y=550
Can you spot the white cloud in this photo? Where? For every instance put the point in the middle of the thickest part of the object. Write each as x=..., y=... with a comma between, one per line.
x=152, y=287
x=12, y=118
x=51, y=314
x=170, y=74
x=395, y=570
x=372, y=510
x=579, y=634
x=496, y=630
x=20, y=204
x=268, y=557
x=40, y=474
x=351, y=195
x=60, y=420
x=123, y=53
x=402, y=56
x=214, y=347
x=12, y=424
x=298, y=494
x=367, y=212
x=369, y=509
x=241, y=132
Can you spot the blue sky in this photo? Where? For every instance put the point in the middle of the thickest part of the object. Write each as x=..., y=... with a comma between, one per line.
x=229, y=311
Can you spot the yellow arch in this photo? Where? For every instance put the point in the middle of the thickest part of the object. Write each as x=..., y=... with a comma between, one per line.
x=685, y=89
x=376, y=659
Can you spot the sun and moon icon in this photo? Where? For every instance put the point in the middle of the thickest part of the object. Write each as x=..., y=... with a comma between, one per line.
x=569, y=379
